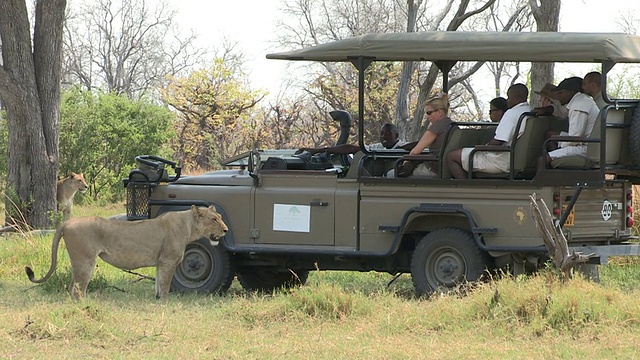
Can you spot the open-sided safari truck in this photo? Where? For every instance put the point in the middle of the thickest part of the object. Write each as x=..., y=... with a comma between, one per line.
x=290, y=214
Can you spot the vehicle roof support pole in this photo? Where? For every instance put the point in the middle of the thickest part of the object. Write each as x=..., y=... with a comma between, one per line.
x=606, y=67
x=445, y=66
x=570, y=205
x=361, y=63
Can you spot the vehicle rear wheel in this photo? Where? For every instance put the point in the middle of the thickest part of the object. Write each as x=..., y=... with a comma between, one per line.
x=204, y=268
x=264, y=279
x=445, y=258
x=589, y=271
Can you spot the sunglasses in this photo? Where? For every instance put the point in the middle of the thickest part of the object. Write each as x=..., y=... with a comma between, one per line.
x=432, y=111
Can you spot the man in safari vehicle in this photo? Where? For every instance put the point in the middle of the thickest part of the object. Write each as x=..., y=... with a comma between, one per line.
x=389, y=139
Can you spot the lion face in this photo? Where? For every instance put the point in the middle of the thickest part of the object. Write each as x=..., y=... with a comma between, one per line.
x=76, y=182
x=211, y=221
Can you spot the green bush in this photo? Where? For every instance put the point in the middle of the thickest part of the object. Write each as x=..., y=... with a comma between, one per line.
x=100, y=135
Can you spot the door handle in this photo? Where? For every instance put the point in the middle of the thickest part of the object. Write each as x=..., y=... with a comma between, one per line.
x=319, y=203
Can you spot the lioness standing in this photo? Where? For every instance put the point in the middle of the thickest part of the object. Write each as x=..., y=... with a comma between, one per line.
x=66, y=190
x=130, y=245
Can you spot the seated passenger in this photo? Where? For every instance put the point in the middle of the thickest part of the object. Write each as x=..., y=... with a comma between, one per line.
x=583, y=113
x=591, y=85
x=497, y=107
x=549, y=105
x=437, y=110
x=389, y=139
x=495, y=162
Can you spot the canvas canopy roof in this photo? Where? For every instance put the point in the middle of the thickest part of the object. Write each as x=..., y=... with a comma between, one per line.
x=476, y=46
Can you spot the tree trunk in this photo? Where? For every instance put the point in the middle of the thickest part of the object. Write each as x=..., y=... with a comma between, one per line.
x=402, y=102
x=554, y=239
x=30, y=93
x=547, y=16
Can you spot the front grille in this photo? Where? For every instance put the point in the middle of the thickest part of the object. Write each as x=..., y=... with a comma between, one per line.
x=138, y=200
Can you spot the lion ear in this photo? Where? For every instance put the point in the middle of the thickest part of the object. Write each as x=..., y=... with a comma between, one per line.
x=196, y=212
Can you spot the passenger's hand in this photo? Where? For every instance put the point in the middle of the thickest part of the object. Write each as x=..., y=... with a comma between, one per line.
x=406, y=169
x=547, y=110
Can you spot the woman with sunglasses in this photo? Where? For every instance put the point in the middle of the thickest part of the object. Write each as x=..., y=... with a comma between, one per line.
x=437, y=110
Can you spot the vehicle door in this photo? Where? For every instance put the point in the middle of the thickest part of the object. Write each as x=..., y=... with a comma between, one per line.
x=294, y=207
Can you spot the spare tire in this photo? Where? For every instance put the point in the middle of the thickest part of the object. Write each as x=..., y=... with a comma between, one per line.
x=634, y=137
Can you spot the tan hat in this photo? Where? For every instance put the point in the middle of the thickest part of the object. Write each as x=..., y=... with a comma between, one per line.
x=547, y=91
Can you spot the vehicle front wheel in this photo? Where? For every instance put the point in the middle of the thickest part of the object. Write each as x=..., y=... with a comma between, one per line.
x=445, y=258
x=204, y=268
x=268, y=279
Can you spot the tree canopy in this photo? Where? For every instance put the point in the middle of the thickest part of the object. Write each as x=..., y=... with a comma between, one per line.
x=212, y=107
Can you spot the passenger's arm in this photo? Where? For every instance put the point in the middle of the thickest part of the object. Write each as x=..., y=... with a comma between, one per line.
x=427, y=139
x=409, y=145
x=577, y=126
x=495, y=141
x=338, y=149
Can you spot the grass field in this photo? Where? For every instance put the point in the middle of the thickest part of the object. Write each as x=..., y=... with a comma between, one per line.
x=337, y=315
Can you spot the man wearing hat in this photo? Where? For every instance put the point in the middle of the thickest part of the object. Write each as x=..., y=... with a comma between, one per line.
x=582, y=113
x=548, y=102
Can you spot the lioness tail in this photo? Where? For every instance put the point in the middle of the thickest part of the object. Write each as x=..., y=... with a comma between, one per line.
x=54, y=259
x=30, y=273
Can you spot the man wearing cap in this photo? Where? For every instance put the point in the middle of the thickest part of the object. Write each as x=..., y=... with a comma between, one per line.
x=582, y=112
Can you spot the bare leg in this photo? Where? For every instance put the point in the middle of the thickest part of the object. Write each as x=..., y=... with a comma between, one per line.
x=543, y=162
x=552, y=145
x=454, y=161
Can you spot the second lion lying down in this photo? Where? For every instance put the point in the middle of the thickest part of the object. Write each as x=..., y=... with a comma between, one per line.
x=129, y=245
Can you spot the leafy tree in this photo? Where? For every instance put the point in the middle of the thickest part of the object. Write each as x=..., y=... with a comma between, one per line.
x=213, y=109
x=100, y=135
x=30, y=94
x=340, y=92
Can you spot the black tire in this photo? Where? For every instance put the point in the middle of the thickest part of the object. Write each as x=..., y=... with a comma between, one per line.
x=445, y=258
x=267, y=280
x=205, y=268
x=634, y=137
x=589, y=271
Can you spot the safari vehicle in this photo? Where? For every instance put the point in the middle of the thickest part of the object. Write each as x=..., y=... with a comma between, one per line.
x=288, y=215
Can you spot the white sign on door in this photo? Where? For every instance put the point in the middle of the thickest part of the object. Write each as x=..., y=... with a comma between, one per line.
x=294, y=218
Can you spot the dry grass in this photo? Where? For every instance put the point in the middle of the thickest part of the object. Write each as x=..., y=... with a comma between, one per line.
x=337, y=315
x=636, y=209
x=539, y=315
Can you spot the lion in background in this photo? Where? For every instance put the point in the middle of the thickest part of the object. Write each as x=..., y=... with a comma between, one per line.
x=66, y=190
x=129, y=245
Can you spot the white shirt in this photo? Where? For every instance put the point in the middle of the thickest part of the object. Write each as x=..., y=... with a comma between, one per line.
x=379, y=146
x=507, y=125
x=583, y=113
